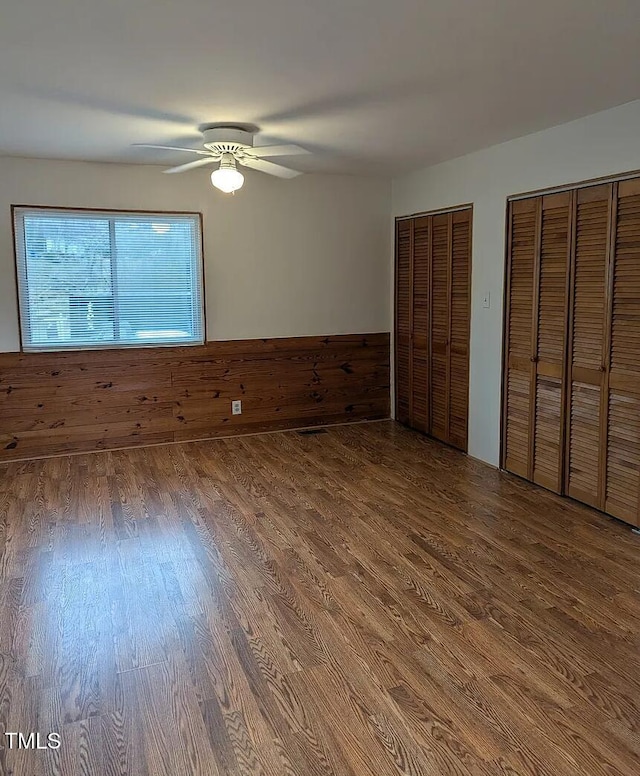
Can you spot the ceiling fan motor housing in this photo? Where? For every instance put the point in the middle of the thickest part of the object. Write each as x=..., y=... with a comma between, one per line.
x=227, y=139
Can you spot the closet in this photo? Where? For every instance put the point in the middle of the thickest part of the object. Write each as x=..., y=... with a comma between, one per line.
x=571, y=390
x=433, y=265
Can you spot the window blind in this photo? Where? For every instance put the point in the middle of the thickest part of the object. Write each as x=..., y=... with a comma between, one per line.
x=89, y=279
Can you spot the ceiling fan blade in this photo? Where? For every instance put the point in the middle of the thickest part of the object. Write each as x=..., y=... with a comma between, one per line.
x=270, y=168
x=170, y=148
x=277, y=150
x=193, y=165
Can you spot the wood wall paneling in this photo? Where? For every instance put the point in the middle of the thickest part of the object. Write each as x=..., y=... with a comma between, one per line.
x=84, y=400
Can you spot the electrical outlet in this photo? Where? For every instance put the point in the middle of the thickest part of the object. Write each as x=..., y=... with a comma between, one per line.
x=236, y=407
x=486, y=300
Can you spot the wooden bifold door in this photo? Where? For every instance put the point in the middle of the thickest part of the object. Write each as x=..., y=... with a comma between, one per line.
x=571, y=391
x=433, y=265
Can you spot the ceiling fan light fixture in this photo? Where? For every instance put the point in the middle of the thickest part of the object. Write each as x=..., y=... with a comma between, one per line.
x=227, y=178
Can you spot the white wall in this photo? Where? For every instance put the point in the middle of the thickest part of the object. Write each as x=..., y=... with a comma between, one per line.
x=603, y=144
x=307, y=256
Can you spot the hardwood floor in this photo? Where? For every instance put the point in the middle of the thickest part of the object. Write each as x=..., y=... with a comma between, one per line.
x=359, y=602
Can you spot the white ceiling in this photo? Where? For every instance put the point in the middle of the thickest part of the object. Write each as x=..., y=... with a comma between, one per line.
x=372, y=86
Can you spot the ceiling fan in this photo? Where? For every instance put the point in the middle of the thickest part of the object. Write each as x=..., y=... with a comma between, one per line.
x=230, y=145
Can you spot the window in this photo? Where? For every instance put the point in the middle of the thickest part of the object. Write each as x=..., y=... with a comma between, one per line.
x=90, y=279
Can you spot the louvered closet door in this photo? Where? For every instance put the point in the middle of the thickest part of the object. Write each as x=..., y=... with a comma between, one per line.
x=440, y=298
x=587, y=361
x=420, y=326
x=550, y=323
x=459, y=327
x=524, y=218
x=622, y=492
x=404, y=294
x=433, y=265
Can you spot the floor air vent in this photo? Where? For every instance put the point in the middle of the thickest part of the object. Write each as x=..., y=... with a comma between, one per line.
x=312, y=431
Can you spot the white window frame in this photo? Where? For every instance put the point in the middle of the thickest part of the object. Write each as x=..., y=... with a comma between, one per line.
x=17, y=218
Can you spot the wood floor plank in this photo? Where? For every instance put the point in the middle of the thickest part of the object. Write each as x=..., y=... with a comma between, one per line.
x=359, y=602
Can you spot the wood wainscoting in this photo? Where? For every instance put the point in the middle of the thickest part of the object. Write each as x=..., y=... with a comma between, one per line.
x=63, y=402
